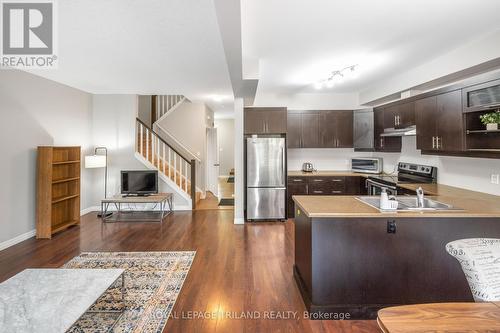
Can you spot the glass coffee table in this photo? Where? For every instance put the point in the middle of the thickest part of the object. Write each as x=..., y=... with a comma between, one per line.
x=52, y=300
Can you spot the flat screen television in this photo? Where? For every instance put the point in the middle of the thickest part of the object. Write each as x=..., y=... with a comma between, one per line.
x=139, y=182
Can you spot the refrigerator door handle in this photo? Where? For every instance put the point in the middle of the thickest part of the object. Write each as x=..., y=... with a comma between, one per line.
x=283, y=171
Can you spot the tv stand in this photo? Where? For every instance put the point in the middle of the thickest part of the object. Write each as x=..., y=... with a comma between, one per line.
x=161, y=199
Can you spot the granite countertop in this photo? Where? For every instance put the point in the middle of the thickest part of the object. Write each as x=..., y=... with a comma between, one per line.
x=474, y=204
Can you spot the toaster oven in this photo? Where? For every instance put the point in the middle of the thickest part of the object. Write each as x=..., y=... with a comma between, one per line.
x=367, y=165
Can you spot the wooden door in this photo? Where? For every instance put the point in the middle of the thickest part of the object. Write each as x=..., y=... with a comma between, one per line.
x=425, y=116
x=406, y=114
x=294, y=130
x=310, y=130
x=254, y=121
x=450, y=121
x=327, y=129
x=344, y=133
x=275, y=120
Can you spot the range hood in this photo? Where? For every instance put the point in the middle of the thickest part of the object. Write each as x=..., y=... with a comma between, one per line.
x=407, y=131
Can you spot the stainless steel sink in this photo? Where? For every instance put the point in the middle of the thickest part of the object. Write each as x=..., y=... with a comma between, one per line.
x=409, y=203
x=412, y=204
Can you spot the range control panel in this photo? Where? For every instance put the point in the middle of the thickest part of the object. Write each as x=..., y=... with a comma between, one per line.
x=416, y=168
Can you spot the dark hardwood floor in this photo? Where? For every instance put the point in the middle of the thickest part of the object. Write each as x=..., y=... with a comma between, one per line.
x=237, y=268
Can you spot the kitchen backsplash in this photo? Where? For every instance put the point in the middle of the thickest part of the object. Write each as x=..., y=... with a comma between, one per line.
x=322, y=159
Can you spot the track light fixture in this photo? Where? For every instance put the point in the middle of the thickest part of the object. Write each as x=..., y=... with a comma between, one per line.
x=338, y=76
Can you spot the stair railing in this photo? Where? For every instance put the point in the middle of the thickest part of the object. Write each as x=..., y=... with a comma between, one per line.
x=165, y=103
x=166, y=159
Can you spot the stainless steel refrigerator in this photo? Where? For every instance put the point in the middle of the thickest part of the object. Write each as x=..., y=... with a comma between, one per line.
x=266, y=178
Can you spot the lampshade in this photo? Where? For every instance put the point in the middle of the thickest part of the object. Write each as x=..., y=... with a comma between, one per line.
x=95, y=161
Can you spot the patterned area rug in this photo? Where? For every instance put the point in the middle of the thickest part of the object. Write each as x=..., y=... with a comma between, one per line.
x=153, y=280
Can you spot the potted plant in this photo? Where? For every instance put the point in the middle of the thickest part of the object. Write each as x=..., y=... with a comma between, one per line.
x=491, y=120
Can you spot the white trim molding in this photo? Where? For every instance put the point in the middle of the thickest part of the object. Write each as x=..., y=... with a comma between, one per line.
x=17, y=239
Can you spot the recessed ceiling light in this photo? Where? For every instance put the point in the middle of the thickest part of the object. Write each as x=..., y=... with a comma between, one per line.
x=318, y=85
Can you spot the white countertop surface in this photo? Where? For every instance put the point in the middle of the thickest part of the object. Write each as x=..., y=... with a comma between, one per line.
x=50, y=300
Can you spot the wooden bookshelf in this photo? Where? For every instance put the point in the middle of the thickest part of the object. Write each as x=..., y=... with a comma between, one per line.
x=58, y=189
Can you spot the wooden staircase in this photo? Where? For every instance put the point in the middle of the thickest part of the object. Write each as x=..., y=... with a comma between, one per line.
x=168, y=162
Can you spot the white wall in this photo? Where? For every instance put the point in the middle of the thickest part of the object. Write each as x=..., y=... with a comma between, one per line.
x=225, y=137
x=36, y=111
x=239, y=190
x=114, y=127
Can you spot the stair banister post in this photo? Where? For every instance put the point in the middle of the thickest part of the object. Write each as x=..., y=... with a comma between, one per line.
x=193, y=183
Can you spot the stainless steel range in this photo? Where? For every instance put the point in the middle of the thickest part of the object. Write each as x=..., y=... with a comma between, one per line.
x=408, y=173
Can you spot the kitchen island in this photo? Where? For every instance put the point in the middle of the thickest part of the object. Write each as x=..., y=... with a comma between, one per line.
x=351, y=258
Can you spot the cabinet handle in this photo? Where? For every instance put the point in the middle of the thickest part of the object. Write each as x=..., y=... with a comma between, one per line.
x=318, y=192
x=336, y=192
x=433, y=142
x=381, y=142
x=439, y=142
x=297, y=180
x=337, y=180
x=317, y=180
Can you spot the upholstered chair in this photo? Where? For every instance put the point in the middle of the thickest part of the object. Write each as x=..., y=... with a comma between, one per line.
x=480, y=261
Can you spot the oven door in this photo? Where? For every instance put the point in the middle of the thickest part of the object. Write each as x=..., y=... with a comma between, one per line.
x=375, y=188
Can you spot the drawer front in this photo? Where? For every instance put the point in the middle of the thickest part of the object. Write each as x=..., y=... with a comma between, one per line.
x=337, y=184
x=321, y=188
x=318, y=180
x=297, y=180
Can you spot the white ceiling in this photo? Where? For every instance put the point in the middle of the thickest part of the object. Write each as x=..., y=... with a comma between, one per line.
x=298, y=42
x=142, y=47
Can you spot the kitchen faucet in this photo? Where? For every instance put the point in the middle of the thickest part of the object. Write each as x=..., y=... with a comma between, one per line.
x=420, y=197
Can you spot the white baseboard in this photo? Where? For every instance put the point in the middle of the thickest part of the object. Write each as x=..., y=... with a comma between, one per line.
x=17, y=239
x=239, y=220
x=90, y=209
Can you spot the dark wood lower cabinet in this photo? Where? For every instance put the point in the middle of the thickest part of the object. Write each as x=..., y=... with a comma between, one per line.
x=354, y=266
x=323, y=185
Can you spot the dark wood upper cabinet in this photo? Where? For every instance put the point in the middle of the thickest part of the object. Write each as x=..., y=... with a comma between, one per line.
x=450, y=130
x=320, y=129
x=399, y=116
x=310, y=130
x=327, y=129
x=384, y=144
x=425, y=115
x=439, y=122
x=294, y=130
x=344, y=129
x=259, y=120
x=406, y=115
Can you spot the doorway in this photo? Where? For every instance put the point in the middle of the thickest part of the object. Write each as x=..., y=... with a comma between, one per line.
x=212, y=162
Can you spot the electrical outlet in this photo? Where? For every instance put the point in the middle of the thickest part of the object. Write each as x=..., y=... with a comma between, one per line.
x=495, y=179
